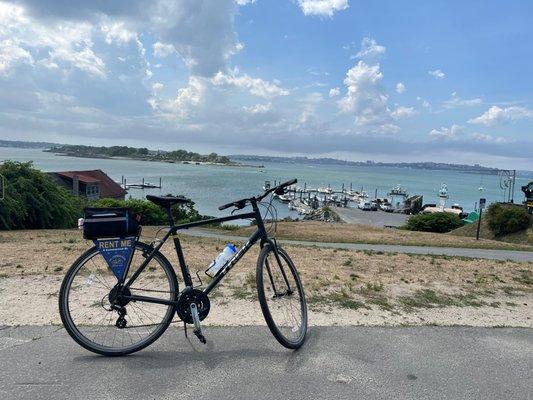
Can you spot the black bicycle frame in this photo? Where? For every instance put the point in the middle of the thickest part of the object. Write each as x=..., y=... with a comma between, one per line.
x=259, y=234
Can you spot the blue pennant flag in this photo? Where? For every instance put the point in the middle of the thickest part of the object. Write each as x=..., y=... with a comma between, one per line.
x=117, y=253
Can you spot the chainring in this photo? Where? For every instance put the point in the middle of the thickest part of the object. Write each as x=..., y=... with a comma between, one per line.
x=189, y=296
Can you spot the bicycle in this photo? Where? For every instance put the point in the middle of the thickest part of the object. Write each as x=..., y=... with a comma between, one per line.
x=109, y=313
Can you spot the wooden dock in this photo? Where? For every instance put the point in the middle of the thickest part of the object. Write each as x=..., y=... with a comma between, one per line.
x=143, y=185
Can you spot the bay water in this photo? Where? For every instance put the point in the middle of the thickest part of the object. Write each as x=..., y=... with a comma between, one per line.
x=211, y=185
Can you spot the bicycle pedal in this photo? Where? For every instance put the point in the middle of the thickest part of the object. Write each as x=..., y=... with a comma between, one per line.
x=199, y=335
x=197, y=326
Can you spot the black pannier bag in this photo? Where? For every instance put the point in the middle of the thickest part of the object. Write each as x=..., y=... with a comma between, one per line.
x=110, y=222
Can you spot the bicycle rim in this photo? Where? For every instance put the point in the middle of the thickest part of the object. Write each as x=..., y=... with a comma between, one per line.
x=85, y=306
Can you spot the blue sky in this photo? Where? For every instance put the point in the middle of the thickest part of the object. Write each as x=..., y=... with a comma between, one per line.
x=385, y=80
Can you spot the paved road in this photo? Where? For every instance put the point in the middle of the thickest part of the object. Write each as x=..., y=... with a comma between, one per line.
x=520, y=256
x=247, y=363
x=373, y=218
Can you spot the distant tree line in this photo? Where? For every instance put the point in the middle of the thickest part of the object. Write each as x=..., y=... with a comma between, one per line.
x=143, y=153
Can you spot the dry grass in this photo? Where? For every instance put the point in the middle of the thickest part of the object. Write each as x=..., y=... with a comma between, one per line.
x=334, y=279
x=353, y=233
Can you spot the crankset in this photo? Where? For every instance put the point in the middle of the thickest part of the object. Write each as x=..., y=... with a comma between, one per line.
x=192, y=296
x=193, y=306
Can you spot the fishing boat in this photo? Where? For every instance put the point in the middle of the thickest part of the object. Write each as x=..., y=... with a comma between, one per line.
x=398, y=195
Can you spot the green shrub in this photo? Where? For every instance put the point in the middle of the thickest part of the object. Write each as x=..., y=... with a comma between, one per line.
x=153, y=214
x=438, y=222
x=32, y=200
x=504, y=219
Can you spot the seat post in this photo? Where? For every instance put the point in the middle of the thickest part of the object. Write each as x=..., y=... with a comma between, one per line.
x=170, y=218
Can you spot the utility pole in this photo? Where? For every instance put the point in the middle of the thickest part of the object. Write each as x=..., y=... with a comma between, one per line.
x=481, y=207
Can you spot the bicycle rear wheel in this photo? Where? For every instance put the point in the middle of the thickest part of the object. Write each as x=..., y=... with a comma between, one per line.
x=282, y=297
x=88, y=290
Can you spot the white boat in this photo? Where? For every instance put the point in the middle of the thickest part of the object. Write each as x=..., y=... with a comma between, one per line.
x=441, y=207
x=325, y=190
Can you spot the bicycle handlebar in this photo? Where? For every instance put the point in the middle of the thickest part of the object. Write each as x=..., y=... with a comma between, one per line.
x=242, y=203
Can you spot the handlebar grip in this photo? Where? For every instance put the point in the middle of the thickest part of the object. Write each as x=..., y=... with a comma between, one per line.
x=289, y=183
x=225, y=206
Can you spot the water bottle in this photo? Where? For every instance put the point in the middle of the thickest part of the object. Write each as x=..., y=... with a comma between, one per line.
x=221, y=260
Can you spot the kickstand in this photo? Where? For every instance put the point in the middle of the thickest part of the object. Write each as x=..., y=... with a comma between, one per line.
x=185, y=328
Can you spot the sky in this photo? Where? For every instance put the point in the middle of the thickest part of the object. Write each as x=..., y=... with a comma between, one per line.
x=445, y=81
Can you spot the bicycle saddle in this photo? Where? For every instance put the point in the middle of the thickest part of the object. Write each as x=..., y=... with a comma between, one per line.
x=167, y=201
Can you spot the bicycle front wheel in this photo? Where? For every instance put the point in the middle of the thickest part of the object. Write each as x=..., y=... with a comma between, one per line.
x=88, y=293
x=282, y=297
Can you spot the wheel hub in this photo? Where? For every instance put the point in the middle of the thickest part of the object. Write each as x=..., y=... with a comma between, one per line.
x=116, y=296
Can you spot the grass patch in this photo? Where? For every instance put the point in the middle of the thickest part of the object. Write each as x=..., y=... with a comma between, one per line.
x=230, y=227
x=382, y=302
x=525, y=277
x=250, y=280
x=340, y=299
x=427, y=298
x=242, y=293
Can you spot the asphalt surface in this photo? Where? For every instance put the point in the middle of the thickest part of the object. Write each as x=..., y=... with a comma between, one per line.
x=520, y=256
x=247, y=363
x=374, y=218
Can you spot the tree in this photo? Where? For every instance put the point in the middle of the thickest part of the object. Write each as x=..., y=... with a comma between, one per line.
x=33, y=200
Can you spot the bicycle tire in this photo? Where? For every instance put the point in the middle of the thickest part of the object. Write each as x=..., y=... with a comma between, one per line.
x=83, y=341
x=263, y=301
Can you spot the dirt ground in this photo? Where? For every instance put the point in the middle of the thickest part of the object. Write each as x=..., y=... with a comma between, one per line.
x=342, y=287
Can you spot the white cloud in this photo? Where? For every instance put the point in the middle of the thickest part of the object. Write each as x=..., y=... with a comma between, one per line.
x=370, y=49
x=258, y=108
x=366, y=100
x=481, y=137
x=400, y=88
x=495, y=115
x=334, y=92
x=446, y=133
x=322, y=7
x=11, y=54
x=116, y=32
x=62, y=45
x=244, y=2
x=308, y=116
x=426, y=104
x=437, y=74
x=403, y=112
x=157, y=87
x=189, y=99
x=456, y=102
x=255, y=86
x=162, y=50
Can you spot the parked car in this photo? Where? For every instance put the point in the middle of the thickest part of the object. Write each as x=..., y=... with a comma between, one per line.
x=386, y=207
x=365, y=206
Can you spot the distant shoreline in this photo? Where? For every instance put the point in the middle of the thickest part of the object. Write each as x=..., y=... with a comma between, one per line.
x=186, y=162
x=461, y=168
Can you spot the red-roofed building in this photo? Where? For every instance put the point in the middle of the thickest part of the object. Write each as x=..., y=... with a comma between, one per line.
x=93, y=184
